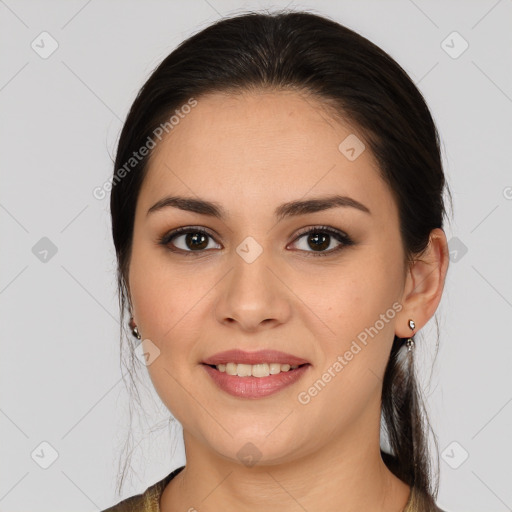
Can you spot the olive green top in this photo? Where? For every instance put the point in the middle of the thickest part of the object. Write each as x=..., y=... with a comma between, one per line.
x=149, y=500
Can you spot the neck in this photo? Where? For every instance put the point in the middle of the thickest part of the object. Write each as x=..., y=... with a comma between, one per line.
x=340, y=477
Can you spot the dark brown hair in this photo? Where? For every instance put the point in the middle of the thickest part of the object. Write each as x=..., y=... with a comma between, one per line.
x=358, y=82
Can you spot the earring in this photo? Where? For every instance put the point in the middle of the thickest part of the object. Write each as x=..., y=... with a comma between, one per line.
x=410, y=341
x=135, y=331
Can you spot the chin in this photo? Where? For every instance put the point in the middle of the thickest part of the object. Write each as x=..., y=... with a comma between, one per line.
x=259, y=449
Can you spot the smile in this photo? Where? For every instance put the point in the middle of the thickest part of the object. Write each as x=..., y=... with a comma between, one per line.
x=238, y=379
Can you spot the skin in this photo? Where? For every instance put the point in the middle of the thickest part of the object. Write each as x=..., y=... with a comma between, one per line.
x=252, y=152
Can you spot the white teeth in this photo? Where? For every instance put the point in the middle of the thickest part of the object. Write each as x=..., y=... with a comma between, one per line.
x=254, y=370
x=275, y=368
x=258, y=370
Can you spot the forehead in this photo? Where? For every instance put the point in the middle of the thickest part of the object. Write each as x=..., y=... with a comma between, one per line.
x=260, y=149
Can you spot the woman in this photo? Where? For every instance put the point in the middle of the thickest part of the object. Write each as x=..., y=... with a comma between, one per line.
x=277, y=214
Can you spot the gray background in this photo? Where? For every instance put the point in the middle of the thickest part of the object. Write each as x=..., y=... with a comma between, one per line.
x=61, y=116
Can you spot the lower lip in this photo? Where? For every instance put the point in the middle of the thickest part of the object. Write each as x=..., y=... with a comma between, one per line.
x=255, y=387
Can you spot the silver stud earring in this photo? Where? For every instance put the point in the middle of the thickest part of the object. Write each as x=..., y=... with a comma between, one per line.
x=134, y=329
x=410, y=341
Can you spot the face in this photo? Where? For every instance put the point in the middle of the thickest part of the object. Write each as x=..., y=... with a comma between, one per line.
x=254, y=281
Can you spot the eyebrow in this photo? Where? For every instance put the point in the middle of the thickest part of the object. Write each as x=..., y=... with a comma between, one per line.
x=290, y=209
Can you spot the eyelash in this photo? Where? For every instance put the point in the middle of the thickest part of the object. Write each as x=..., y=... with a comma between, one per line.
x=345, y=240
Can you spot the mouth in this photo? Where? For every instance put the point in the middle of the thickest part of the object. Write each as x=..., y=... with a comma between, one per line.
x=254, y=374
x=254, y=381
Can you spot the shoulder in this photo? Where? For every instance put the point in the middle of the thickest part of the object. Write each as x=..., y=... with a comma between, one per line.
x=132, y=504
x=148, y=501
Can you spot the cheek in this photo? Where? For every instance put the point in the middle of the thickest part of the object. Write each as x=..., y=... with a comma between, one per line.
x=354, y=297
x=169, y=305
x=349, y=376
x=151, y=279
x=153, y=293
x=360, y=307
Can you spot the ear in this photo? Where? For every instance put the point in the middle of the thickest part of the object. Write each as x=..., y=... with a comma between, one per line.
x=424, y=285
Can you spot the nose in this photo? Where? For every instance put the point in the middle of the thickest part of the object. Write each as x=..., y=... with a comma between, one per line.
x=252, y=295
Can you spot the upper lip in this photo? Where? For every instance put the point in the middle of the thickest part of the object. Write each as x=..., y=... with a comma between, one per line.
x=261, y=356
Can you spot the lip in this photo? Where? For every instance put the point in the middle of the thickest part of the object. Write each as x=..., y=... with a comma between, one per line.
x=261, y=356
x=255, y=387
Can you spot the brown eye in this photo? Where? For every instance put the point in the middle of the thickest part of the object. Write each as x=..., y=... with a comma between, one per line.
x=189, y=240
x=319, y=239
